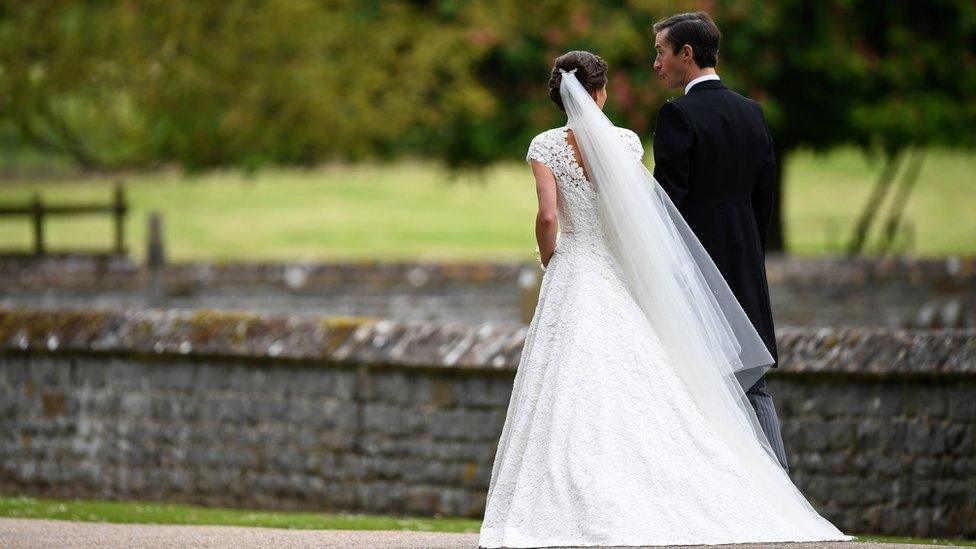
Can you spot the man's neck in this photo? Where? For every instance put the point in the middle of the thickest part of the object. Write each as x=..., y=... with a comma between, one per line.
x=703, y=74
x=696, y=72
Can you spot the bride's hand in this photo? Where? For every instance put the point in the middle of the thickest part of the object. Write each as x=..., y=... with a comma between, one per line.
x=544, y=262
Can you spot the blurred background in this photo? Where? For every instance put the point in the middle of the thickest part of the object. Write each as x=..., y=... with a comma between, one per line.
x=279, y=255
x=397, y=129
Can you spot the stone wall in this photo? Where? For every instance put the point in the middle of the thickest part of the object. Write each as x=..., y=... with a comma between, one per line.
x=483, y=292
x=804, y=292
x=304, y=412
x=895, y=293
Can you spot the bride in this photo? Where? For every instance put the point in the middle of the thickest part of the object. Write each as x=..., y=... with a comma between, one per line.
x=628, y=424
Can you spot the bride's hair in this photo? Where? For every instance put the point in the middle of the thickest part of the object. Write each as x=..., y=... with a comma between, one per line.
x=591, y=71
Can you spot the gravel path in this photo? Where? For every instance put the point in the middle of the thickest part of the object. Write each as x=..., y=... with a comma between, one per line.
x=16, y=533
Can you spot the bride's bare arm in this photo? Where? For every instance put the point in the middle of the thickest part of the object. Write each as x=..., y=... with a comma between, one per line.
x=545, y=220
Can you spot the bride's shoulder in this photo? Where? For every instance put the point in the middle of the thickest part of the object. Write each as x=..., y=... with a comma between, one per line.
x=544, y=145
x=550, y=134
x=627, y=132
x=632, y=139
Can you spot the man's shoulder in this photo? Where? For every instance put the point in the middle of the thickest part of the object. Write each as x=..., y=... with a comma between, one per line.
x=752, y=103
x=677, y=107
x=678, y=103
x=691, y=103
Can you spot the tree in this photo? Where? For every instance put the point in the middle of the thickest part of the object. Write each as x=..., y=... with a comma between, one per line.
x=248, y=83
x=882, y=75
x=233, y=82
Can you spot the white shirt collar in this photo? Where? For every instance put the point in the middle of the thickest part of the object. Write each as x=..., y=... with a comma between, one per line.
x=700, y=79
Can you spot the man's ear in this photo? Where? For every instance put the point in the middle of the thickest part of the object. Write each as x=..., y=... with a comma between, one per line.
x=687, y=53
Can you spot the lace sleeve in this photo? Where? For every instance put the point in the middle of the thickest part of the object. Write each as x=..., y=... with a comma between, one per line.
x=633, y=142
x=539, y=150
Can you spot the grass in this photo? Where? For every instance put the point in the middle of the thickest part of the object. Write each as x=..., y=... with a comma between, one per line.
x=830, y=190
x=141, y=512
x=415, y=211
x=131, y=512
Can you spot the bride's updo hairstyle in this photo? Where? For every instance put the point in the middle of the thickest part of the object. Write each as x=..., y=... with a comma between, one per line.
x=591, y=71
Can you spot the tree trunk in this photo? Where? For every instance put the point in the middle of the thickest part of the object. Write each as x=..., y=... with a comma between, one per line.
x=873, y=204
x=775, y=240
x=897, y=209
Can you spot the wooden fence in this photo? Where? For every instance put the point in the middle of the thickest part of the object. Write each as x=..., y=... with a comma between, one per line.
x=37, y=211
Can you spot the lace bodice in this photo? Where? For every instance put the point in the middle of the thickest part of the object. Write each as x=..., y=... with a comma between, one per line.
x=576, y=199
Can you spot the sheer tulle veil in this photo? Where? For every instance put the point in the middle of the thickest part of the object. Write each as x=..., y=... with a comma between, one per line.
x=714, y=348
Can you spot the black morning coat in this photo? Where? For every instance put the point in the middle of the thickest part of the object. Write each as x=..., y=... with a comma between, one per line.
x=713, y=155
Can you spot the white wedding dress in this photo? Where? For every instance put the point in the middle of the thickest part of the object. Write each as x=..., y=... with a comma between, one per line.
x=602, y=444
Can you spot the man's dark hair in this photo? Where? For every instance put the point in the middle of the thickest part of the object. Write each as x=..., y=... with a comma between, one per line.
x=695, y=29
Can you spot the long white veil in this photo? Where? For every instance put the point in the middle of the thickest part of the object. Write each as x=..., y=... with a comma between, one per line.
x=714, y=348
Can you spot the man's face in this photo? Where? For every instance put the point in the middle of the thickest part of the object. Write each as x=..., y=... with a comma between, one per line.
x=667, y=64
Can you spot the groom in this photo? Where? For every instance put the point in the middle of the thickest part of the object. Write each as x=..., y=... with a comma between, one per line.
x=714, y=157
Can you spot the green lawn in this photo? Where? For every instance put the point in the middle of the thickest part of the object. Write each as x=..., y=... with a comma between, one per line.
x=156, y=513
x=830, y=190
x=142, y=512
x=414, y=210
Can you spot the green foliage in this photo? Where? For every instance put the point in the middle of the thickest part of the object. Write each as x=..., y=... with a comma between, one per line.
x=249, y=83
x=874, y=73
x=234, y=82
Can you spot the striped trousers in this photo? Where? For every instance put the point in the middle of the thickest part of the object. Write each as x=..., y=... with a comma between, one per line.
x=762, y=402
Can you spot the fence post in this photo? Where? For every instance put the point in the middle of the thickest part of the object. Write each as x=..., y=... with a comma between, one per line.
x=119, y=210
x=155, y=258
x=832, y=239
x=529, y=285
x=37, y=216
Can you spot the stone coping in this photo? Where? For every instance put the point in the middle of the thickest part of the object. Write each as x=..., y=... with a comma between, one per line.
x=354, y=340
x=245, y=334
x=878, y=351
